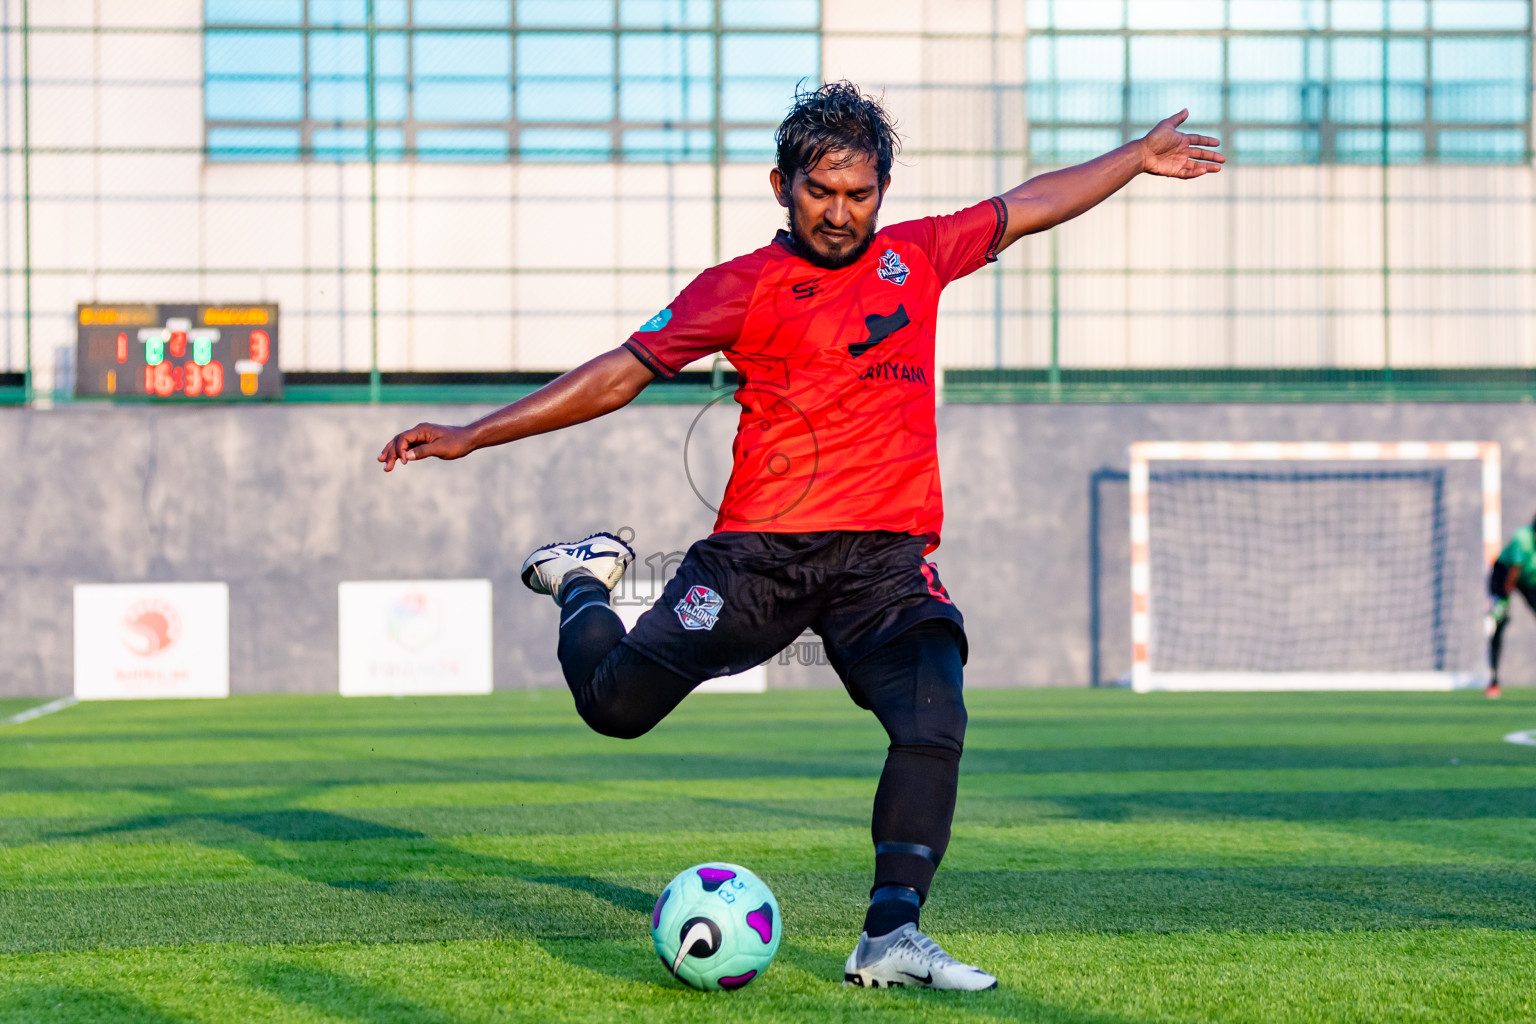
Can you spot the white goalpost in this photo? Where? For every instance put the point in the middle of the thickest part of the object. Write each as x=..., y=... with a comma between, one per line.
x=1311, y=566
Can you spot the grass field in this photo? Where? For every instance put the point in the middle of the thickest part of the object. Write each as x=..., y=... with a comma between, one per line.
x=1116, y=858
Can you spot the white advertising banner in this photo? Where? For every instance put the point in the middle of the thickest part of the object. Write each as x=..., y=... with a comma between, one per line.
x=415, y=637
x=753, y=680
x=141, y=641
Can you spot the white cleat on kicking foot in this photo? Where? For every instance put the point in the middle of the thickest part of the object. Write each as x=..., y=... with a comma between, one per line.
x=906, y=958
x=602, y=554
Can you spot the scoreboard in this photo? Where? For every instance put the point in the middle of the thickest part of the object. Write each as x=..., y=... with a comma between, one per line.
x=186, y=351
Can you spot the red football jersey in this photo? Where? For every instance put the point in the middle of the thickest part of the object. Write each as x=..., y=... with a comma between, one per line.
x=836, y=372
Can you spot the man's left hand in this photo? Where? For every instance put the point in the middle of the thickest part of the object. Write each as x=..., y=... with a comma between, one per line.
x=1168, y=152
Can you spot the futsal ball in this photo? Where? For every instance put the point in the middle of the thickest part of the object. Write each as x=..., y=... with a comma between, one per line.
x=716, y=926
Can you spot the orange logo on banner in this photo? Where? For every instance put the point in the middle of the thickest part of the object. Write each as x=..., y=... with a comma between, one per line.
x=150, y=626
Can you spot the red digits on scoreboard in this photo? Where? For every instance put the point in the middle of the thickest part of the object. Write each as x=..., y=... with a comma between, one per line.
x=193, y=385
x=178, y=344
x=122, y=347
x=261, y=346
x=213, y=379
x=165, y=381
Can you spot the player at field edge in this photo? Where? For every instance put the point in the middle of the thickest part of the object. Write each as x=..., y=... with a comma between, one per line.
x=833, y=500
x=1515, y=569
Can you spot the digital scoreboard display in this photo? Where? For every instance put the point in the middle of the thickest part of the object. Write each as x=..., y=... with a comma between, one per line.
x=177, y=351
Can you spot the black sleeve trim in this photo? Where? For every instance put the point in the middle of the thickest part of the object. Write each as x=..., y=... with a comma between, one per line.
x=1001, y=209
x=648, y=360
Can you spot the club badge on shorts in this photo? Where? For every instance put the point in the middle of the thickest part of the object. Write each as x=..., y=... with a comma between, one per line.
x=699, y=609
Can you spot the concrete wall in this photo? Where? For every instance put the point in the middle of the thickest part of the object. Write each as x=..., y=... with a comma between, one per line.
x=284, y=502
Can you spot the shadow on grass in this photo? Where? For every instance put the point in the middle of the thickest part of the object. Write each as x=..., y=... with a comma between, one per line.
x=859, y=763
x=1373, y=805
x=337, y=996
x=71, y=1003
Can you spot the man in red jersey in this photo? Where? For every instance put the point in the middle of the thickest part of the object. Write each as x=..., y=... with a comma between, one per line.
x=834, y=496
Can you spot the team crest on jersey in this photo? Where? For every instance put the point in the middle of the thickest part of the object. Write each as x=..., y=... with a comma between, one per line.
x=656, y=322
x=892, y=269
x=699, y=608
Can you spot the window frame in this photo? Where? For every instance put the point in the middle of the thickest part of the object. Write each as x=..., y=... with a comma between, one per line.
x=1323, y=137
x=684, y=140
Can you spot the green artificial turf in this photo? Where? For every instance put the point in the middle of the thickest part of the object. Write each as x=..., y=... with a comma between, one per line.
x=1116, y=858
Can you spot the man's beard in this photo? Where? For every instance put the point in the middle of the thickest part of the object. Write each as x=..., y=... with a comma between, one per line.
x=804, y=250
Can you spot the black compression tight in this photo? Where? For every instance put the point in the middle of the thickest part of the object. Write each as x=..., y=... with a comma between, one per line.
x=912, y=684
x=619, y=692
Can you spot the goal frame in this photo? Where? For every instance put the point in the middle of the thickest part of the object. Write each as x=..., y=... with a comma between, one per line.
x=1145, y=678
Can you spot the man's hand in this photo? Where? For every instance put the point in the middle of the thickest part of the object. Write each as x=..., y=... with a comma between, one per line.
x=1498, y=609
x=1168, y=152
x=426, y=440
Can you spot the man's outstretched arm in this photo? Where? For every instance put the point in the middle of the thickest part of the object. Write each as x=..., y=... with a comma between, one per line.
x=1047, y=200
x=599, y=386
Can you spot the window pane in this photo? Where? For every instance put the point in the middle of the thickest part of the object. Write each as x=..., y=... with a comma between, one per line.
x=446, y=100
x=1364, y=15
x=1088, y=79
x=253, y=143
x=254, y=99
x=667, y=13
x=565, y=77
x=1271, y=81
x=253, y=53
x=389, y=55
x=340, y=144
x=338, y=101
x=254, y=12
x=389, y=99
x=1481, y=80
x=1076, y=13
x=1495, y=147
x=1471, y=14
x=669, y=145
x=566, y=145
x=462, y=13
x=338, y=13
x=486, y=56
x=1078, y=58
x=1481, y=60
x=666, y=77
x=1071, y=145
x=1408, y=15
x=1275, y=146
x=1279, y=14
x=564, y=13
x=1363, y=146
x=461, y=145
x=749, y=144
x=462, y=77
x=770, y=13
x=334, y=55
x=389, y=13
x=1184, y=14
x=1172, y=72
x=761, y=72
x=351, y=144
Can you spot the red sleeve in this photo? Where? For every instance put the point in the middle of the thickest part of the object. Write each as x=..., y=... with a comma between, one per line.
x=705, y=317
x=960, y=243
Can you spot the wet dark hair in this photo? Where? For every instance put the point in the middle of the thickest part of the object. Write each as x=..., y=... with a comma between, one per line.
x=835, y=117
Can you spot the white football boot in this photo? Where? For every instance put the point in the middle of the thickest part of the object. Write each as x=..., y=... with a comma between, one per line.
x=906, y=958
x=602, y=554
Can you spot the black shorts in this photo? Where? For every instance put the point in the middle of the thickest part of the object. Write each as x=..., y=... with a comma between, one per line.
x=738, y=599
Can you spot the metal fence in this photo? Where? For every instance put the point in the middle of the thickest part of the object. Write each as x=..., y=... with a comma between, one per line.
x=485, y=187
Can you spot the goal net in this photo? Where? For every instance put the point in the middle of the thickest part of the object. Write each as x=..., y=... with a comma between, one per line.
x=1311, y=566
